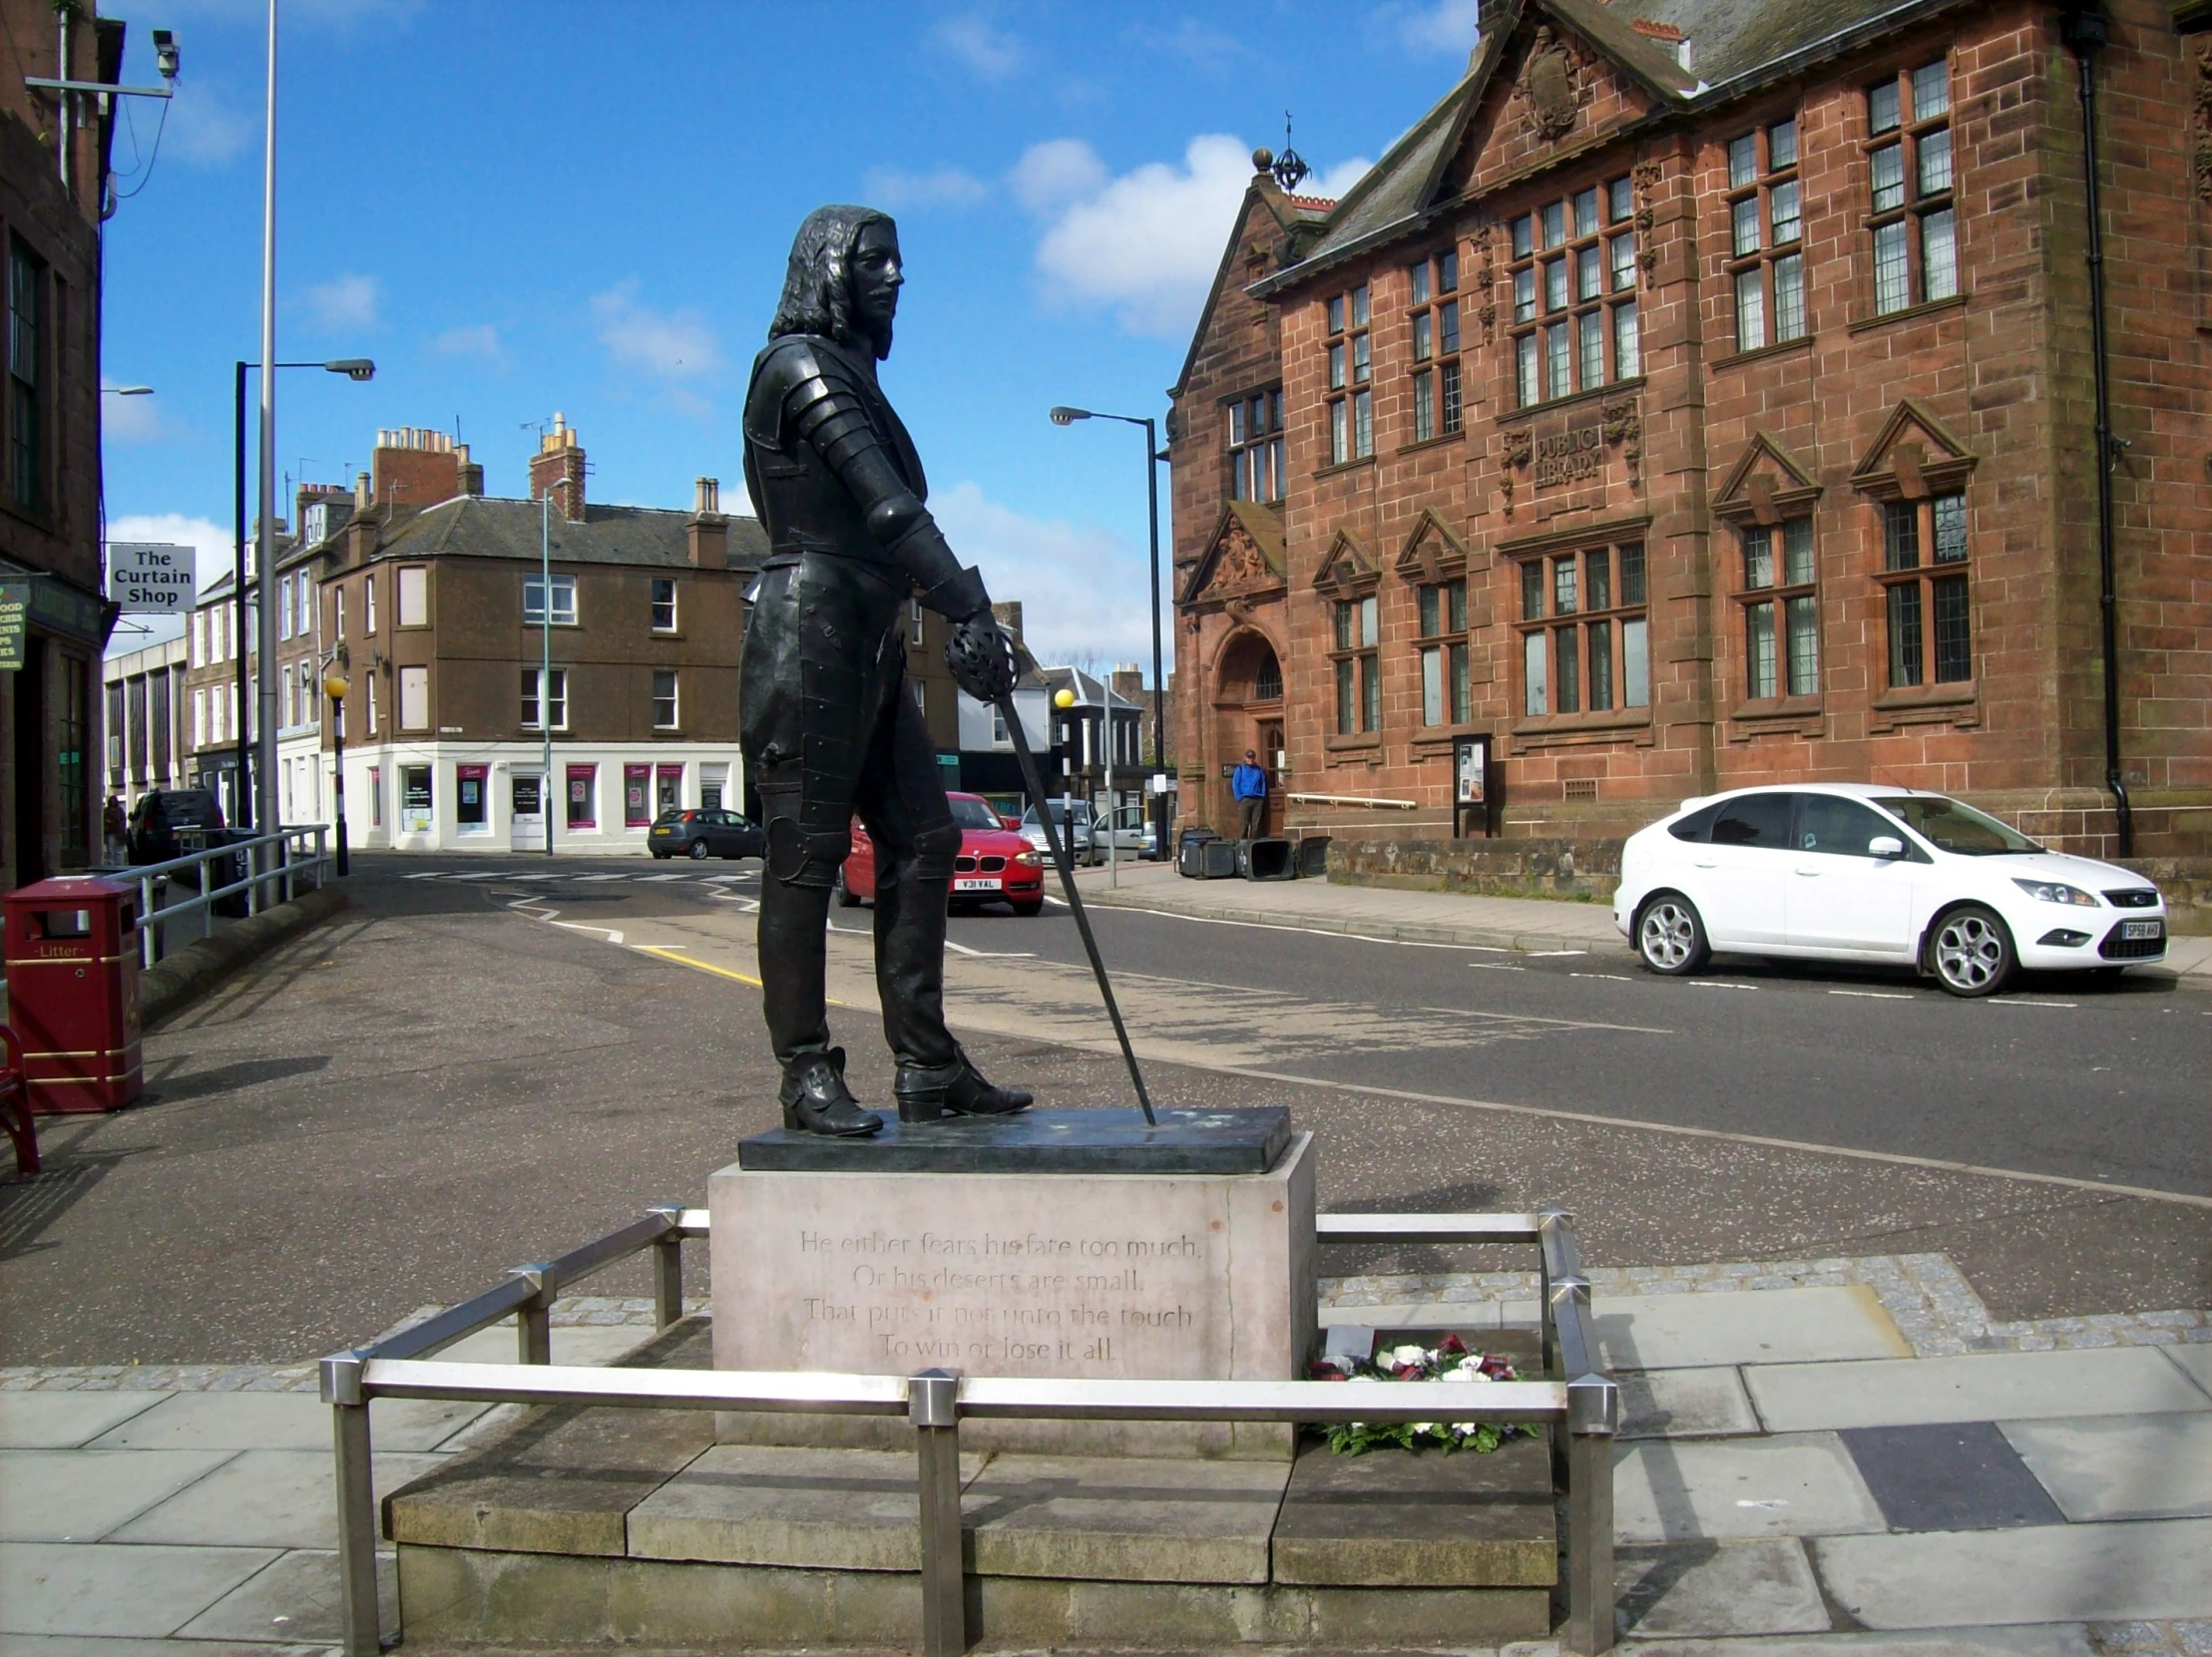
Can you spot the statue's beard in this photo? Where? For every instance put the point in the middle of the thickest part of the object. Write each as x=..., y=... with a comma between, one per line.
x=878, y=336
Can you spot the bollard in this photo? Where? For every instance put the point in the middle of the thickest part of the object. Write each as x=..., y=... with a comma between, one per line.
x=667, y=1267
x=933, y=1405
x=1593, y=1416
x=349, y=1417
x=534, y=1317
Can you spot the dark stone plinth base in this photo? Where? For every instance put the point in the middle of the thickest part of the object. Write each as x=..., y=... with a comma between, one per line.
x=1113, y=1142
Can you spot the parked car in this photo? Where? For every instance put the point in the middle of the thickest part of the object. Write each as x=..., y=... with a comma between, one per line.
x=705, y=833
x=1075, y=824
x=1134, y=832
x=1860, y=872
x=994, y=865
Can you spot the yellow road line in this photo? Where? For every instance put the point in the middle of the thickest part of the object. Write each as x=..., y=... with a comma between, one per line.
x=686, y=961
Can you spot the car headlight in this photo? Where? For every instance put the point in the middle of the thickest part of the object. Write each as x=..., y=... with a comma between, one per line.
x=2051, y=891
x=1029, y=860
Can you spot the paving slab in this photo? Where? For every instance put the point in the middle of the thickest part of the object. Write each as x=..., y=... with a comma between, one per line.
x=2066, y=1639
x=1432, y=1519
x=1801, y=1485
x=2127, y=1569
x=1717, y=1588
x=1777, y=1326
x=571, y=1344
x=94, y=1645
x=2121, y=1466
x=1125, y=1518
x=767, y=1504
x=63, y=1420
x=2195, y=1360
x=1684, y=1403
x=79, y=1495
x=280, y=1421
x=267, y=1499
x=115, y=1590
x=1949, y=1475
x=1981, y=1386
x=295, y=1600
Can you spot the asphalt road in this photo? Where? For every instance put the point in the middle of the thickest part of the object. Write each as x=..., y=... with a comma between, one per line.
x=462, y=1074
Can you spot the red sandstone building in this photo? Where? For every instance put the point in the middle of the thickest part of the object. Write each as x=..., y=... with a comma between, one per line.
x=1704, y=394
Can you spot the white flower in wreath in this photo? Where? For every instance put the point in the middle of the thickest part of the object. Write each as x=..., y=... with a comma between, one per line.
x=1466, y=1371
x=1418, y=1356
x=1425, y=1427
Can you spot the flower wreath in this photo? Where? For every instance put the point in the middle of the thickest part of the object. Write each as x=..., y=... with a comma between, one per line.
x=1450, y=1361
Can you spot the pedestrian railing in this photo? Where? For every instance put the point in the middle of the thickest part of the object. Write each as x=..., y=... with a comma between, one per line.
x=1578, y=1400
x=278, y=867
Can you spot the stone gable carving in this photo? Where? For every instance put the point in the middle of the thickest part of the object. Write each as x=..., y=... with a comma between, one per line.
x=1432, y=553
x=1553, y=86
x=1766, y=485
x=1348, y=568
x=1236, y=565
x=1913, y=456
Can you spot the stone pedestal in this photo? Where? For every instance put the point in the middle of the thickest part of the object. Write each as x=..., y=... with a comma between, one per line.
x=1113, y=1276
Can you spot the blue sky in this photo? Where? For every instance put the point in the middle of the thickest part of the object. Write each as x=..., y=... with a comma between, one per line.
x=518, y=206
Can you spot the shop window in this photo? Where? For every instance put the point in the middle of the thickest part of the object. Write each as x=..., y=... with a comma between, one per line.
x=667, y=787
x=1358, y=666
x=1584, y=632
x=1924, y=578
x=1909, y=172
x=377, y=796
x=1573, y=277
x=1766, y=236
x=1445, y=694
x=1255, y=428
x=637, y=796
x=416, y=815
x=1434, y=323
x=471, y=811
x=583, y=797
x=1781, y=610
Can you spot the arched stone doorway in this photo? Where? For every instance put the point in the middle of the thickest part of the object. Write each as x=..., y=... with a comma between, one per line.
x=1247, y=713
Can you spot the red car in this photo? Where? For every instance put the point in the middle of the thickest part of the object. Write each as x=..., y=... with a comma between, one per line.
x=995, y=864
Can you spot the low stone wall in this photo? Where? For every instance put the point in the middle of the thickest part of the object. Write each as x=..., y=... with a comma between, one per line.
x=1584, y=869
x=2187, y=885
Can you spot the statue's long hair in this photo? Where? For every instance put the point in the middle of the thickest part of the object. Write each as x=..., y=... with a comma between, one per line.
x=817, y=282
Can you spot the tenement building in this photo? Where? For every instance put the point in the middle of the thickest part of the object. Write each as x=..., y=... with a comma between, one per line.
x=1706, y=394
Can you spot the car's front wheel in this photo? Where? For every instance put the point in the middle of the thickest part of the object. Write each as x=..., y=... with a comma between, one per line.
x=1670, y=936
x=1971, y=952
x=846, y=899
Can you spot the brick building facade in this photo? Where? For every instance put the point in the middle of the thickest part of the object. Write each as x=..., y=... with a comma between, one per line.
x=1702, y=395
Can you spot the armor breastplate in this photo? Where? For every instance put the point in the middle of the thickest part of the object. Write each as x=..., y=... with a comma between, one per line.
x=802, y=501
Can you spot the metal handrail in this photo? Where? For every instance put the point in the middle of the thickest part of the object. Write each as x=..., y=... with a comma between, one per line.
x=269, y=858
x=1576, y=1399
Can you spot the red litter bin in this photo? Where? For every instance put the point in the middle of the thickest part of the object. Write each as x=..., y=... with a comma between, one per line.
x=73, y=992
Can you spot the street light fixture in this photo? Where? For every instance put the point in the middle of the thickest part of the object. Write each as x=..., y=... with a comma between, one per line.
x=1061, y=415
x=336, y=685
x=126, y=391
x=353, y=368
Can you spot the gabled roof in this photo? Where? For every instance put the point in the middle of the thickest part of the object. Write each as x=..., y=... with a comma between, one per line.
x=1261, y=526
x=1735, y=47
x=477, y=526
x=1289, y=211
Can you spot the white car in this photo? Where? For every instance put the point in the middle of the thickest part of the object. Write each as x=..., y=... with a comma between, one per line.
x=1858, y=872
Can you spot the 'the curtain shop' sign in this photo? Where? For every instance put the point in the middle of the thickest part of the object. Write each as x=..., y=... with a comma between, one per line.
x=151, y=577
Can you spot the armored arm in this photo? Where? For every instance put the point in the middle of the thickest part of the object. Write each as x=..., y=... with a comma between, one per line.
x=824, y=412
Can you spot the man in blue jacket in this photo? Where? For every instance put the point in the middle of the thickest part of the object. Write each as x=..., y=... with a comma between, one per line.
x=1249, y=783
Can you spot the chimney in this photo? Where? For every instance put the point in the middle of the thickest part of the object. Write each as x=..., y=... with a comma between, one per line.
x=472, y=473
x=1009, y=617
x=1128, y=683
x=708, y=530
x=557, y=466
x=363, y=496
x=414, y=467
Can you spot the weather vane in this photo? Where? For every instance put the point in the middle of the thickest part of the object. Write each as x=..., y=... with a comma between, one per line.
x=1290, y=167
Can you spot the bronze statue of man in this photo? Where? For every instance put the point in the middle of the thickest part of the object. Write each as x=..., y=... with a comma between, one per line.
x=828, y=726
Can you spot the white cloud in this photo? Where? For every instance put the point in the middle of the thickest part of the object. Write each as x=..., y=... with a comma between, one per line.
x=347, y=302
x=1146, y=243
x=205, y=127
x=1331, y=185
x=1056, y=171
x=475, y=339
x=1200, y=45
x=213, y=557
x=1083, y=590
x=991, y=54
x=670, y=346
x=944, y=187
x=1443, y=28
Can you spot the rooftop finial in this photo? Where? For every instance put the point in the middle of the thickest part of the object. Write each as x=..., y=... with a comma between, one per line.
x=1290, y=167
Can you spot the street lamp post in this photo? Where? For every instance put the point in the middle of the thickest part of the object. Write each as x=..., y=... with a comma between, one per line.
x=353, y=368
x=545, y=660
x=1153, y=455
x=336, y=685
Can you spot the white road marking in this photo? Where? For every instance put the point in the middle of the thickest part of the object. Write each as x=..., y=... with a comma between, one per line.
x=645, y=877
x=1610, y=977
x=1494, y=967
x=1717, y=984
x=608, y=933
x=598, y=876
x=1538, y=954
x=1874, y=995
x=1327, y=931
x=992, y=955
x=1997, y=1001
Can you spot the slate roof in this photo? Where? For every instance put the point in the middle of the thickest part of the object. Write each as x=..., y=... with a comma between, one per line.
x=1736, y=47
x=479, y=526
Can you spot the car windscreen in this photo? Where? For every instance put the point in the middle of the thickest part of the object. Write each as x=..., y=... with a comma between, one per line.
x=974, y=814
x=1957, y=827
x=1082, y=814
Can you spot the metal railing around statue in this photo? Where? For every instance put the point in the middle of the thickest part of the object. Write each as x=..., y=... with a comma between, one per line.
x=276, y=868
x=1576, y=1399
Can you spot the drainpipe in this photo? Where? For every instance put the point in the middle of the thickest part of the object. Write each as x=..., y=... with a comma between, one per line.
x=2085, y=33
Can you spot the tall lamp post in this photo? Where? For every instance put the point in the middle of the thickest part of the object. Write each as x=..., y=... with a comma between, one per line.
x=1153, y=455
x=544, y=657
x=353, y=368
x=336, y=685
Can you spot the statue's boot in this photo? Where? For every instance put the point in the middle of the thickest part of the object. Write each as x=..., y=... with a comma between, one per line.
x=816, y=1100
x=929, y=1092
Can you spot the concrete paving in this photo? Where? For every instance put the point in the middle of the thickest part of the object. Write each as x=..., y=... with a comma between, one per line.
x=2137, y=1381
x=2059, y=1574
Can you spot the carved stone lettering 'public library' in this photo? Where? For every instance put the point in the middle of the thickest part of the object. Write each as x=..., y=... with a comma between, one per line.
x=1703, y=393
